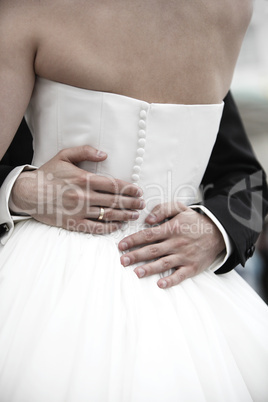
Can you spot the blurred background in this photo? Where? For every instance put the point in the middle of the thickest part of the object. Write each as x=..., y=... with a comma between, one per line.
x=250, y=90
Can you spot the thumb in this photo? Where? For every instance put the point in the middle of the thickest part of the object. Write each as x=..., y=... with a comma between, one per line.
x=82, y=153
x=164, y=211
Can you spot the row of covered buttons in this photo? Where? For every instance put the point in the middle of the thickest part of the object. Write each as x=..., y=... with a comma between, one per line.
x=141, y=144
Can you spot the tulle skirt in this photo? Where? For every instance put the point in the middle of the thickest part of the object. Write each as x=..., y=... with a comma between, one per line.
x=76, y=326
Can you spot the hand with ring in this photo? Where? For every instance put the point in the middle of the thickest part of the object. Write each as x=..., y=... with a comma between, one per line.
x=61, y=194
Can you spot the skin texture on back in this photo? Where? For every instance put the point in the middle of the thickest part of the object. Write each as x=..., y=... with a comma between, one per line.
x=166, y=52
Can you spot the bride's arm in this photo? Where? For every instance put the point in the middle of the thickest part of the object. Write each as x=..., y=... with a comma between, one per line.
x=17, y=49
x=17, y=54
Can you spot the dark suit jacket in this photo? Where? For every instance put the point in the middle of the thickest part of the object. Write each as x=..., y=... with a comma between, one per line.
x=234, y=184
x=19, y=153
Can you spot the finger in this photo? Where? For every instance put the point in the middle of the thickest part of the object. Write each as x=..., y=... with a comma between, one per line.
x=164, y=211
x=150, y=235
x=116, y=201
x=114, y=186
x=111, y=214
x=82, y=153
x=175, y=278
x=157, y=267
x=94, y=227
x=146, y=253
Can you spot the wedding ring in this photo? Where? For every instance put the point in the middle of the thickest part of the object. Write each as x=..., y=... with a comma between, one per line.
x=101, y=215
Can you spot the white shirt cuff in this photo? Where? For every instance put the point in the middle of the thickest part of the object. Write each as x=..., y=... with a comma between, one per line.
x=5, y=191
x=222, y=257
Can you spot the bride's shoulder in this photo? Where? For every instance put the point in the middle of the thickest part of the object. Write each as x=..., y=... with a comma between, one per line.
x=18, y=25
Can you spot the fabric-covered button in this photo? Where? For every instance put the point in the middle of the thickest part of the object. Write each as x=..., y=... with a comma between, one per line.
x=143, y=114
x=144, y=105
x=135, y=177
x=139, y=160
x=140, y=151
x=141, y=142
x=142, y=124
x=142, y=134
x=136, y=169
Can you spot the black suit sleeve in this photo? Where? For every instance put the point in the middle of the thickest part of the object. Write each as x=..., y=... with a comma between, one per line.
x=19, y=153
x=234, y=186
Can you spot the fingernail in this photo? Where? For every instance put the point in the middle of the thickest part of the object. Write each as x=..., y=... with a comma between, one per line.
x=142, y=204
x=163, y=284
x=135, y=215
x=139, y=192
x=141, y=272
x=152, y=218
x=125, y=261
x=101, y=154
x=124, y=246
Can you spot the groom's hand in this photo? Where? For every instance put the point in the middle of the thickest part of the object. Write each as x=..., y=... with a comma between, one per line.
x=61, y=194
x=188, y=242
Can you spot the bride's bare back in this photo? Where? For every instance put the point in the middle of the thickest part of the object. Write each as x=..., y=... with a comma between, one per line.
x=176, y=51
x=164, y=51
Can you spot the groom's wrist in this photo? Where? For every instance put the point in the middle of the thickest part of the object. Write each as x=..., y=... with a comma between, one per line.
x=227, y=240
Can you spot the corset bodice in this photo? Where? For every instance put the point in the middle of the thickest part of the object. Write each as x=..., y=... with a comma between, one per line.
x=163, y=148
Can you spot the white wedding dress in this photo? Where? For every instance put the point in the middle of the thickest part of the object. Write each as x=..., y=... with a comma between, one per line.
x=75, y=325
